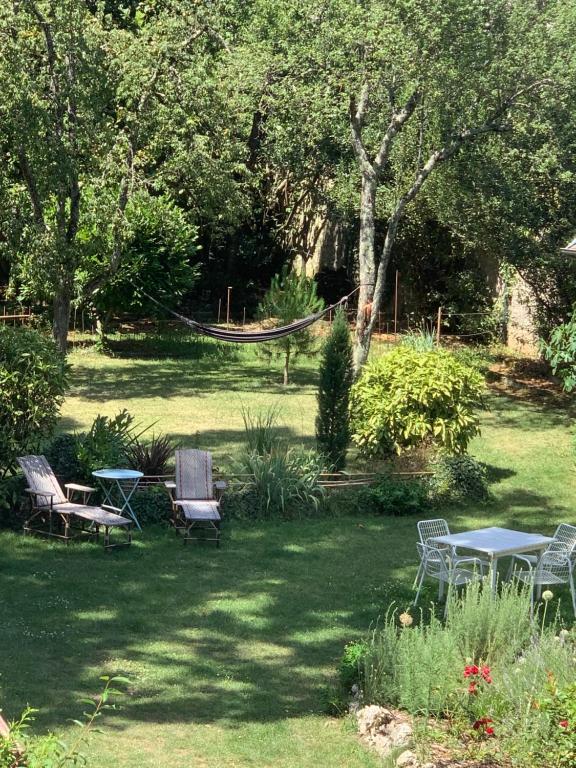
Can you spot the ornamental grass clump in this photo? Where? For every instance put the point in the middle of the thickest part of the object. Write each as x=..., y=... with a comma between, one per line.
x=409, y=398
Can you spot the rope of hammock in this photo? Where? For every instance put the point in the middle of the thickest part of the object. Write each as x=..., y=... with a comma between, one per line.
x=252, y=337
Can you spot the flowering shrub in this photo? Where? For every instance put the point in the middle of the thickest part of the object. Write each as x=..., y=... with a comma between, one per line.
x=559, y=744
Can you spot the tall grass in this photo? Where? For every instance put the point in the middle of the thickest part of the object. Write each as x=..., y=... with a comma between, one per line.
x=261, y=430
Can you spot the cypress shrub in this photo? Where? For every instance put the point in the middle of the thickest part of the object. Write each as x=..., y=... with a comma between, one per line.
x=336, y=376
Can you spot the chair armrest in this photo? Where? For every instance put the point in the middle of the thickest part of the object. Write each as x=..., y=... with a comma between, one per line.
x=221, y=485
x=32, y=492
x=524, y=559
x=77, y=487
x=110, y=508
x=170, y=484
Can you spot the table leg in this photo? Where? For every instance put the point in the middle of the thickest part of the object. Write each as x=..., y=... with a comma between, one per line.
x=126, y=506
x=494, y=574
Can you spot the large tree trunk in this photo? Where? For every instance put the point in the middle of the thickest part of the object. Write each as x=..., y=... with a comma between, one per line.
x=61, y=307
x=367, y=270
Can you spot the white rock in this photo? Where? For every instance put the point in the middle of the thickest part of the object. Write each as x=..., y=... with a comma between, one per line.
x=407, y=760
x=400, y=734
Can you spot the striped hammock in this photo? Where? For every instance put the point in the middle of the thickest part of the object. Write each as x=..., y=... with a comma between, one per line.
x=251, y=337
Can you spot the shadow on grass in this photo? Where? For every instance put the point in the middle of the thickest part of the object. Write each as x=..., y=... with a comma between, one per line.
x=250, y=632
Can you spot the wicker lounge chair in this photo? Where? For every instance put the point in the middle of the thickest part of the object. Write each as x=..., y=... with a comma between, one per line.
x=195, y=497
x=55, y=514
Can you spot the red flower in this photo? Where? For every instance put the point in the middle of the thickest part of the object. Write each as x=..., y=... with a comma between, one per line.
x=472, y=687
x=481, y=723
x=486, y=674
x=563, y=723
x=489, y=731
x=471, y=670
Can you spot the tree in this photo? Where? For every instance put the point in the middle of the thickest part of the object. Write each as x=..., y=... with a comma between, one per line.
x=336, y=376
x=84, y=107
x=32, y=385
x=289, y=298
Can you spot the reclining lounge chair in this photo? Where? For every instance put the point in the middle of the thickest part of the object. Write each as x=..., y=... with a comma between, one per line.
x=195, y=505
x=53, y=513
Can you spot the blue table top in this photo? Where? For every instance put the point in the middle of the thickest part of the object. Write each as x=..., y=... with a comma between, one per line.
x=118, y=474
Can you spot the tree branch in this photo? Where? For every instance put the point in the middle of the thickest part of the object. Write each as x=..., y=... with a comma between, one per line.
x=396, y=124
x=357, y=111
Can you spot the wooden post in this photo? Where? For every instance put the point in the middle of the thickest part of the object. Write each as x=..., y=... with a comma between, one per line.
x=438, y=324
x=219, y=308
x=396, y=307
x=244, y=317
x=228, y=308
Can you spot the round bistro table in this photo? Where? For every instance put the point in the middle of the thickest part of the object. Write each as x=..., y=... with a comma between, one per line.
x=119, y=483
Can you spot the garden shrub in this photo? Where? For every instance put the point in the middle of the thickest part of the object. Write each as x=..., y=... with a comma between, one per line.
x=488, y=668
x=106, y=442
x=63, y=456
x=285, y=483
x=391, y=496
x=151, y=457
x=151, y=504
x=458, y=478
x=32, y=383
x=408, y=398
x=560, y=351
x=335, y=381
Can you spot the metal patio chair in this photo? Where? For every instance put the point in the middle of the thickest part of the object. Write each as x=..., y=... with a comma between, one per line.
x=55, y=514
x=564, y=540
x=195, y=496
x=554, y=567
x=435, y=565
x=427, y=530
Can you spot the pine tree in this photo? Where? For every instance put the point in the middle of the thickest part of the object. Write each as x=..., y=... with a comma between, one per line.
x=336, y=377
x=289, y=298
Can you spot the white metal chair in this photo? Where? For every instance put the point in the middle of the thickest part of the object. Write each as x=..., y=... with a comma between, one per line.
x=195, y=496
x=435, y=564
x=564, y=540
x=555, y=567
x=429, y=529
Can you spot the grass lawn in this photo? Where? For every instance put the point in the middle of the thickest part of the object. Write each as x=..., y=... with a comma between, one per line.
x=230, y=652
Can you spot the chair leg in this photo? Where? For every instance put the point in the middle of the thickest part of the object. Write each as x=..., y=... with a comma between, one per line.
x=419, y=588
x=417, y=576
x=573, y=593
x=532, y=603
x=440, y=590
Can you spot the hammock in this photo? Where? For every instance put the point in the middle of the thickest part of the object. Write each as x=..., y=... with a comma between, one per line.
x=251, y=337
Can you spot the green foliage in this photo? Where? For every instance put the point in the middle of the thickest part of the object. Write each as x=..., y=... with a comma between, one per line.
x=406, y=398
x=335, y=381
x=106, y=442
x=151, y=456
x=21, y=748
x=560, y=351
x=32, y=383
x=261, y=430
x=290, y=297
x=151, y=505
x=458, y=478
x=285, y=483
x=352, y=664
x=158, y=256
x=395, y=497
x=419, y=341
x=558, y=747
x=63, y=456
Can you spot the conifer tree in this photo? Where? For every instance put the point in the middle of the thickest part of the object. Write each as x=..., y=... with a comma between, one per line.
x=336, y=377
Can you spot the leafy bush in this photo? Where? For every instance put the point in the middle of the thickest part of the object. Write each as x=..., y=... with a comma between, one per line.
x=458, y=478
x=151, y=504
x=407, y=398
x=351, y=664
x=420, y=341
x=336, y=376
x=106, y=443
x=21, y=749
x=240, y=503
x=32, y=383
x=396, y=497
x=62, y=454
x=286, y=483
x=560, y=351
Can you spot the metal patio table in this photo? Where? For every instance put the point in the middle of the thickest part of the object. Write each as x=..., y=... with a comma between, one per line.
x=119, y=484
x=496, y=543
